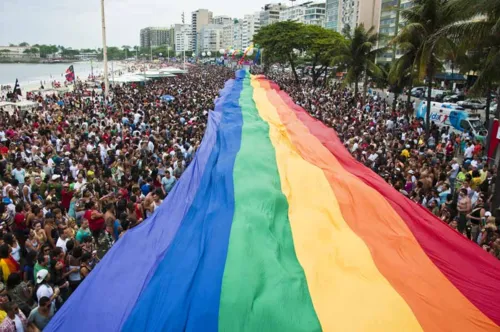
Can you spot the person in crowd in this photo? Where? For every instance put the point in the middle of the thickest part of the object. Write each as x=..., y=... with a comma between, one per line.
x=105, y=241
x=43, y=313
x=7, y=263
x=85, y=265
x=15, y=321
x=44, y=289
x=20, y=293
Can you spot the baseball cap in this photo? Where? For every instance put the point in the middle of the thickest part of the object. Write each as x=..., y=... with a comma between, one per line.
x=40, y=276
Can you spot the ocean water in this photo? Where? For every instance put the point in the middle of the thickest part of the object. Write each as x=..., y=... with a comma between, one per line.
x=33, y=73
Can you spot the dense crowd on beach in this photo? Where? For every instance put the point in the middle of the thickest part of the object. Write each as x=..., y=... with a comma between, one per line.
x=80, y=171
x=447, y=173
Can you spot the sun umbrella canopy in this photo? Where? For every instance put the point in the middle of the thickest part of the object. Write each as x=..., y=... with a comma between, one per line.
x=167, y=98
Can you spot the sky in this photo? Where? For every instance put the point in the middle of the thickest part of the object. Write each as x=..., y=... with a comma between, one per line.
x=77, y=23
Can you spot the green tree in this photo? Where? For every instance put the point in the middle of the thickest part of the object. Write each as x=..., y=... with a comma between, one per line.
x=24, y=44
x=69, y=53
x=46, y=49
x=283, y=40
x=405, y=68
x=479, y=30
x=357, y=56
x=423, y=21
x=115, y=53
x=32, y=50
x=322, y=44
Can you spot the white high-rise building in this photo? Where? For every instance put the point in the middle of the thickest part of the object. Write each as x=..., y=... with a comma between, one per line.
x=222, y=20
x=250, y=26
x=271, y=13
x=231, y=35
x=306, y=13
x=237, y=35
x=210, y=38
x=389, y=25
x=183, y=40
x=199, y=18
x=155, y=36
x=351, y=13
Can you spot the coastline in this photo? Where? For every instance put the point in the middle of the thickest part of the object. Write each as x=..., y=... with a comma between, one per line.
x=82, y=74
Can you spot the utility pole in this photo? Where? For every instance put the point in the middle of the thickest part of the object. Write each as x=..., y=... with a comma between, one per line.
x=104, y=52
x=183, y=45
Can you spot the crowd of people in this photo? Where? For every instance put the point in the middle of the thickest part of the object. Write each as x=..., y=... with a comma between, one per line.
x=80, y=171
x=447, y=173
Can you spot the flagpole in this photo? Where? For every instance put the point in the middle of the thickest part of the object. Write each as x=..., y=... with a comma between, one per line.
x=104, y=52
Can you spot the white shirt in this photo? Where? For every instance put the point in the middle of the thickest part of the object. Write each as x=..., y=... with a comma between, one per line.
x=389, y=123
x=62, y=244
x=19, y=324
x=44, y=290
x=468, y=151
x=78, y=185
x=373, y=157
x=74, y=170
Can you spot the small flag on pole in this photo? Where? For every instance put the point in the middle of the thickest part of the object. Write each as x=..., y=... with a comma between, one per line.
x=257, y=56
x=70, y=74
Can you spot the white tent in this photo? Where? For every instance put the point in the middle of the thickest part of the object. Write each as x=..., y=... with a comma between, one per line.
x=129, y=79
x=158, y=74
x=173, y=70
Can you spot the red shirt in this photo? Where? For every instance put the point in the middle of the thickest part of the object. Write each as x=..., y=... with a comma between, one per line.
x=66, y=196
x=95, y=224
x=19, y=220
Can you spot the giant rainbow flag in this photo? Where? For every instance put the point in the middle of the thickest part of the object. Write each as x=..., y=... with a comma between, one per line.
x=275, y=227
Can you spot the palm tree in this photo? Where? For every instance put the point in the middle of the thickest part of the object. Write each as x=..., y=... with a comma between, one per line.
x=423, y=21
x=357, y=55
x=479, y=29
x=405, y=68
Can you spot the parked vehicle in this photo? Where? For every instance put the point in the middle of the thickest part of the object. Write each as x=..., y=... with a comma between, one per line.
x=453, y=116
x=453, y=98
x=474, y=104
x=417, y=91
x=436, y=94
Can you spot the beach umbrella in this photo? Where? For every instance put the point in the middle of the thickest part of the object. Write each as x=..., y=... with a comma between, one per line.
x=167, y=98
